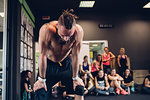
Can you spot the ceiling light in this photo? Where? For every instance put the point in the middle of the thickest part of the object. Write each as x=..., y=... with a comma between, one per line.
x=87, y=4
x=147, y=5
x=2, y=14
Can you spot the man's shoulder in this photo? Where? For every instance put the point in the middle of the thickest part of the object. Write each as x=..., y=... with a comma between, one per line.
x=79, y=33
x=79, y=28
x=51, y=26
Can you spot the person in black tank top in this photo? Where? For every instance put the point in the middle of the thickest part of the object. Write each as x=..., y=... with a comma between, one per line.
x=122, y=62
x=146, y=84
x=89, y=86
x=102, y=85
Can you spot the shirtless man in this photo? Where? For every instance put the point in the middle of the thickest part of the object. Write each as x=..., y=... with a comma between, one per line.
x=56, y=40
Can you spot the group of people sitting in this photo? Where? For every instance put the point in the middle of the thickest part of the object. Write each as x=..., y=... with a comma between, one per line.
x=101, y=79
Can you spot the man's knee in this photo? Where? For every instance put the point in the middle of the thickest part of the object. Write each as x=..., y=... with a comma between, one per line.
x=79, y=90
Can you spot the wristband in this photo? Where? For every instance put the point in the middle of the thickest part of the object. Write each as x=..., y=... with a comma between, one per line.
x=41, y=79
x=75, y=78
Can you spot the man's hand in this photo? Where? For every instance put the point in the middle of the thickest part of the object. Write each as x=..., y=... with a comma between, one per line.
x=38, y=85
x=77, y=82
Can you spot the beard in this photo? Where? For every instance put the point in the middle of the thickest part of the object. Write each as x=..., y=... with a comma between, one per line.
x=60, y=40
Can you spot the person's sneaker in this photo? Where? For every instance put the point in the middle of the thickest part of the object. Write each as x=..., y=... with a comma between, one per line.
x=118, y=91
x=97, y=94
x=124, y=92
x=107, y=93
x=113, y=93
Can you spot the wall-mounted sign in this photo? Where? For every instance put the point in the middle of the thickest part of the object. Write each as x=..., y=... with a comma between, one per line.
x=106, y=26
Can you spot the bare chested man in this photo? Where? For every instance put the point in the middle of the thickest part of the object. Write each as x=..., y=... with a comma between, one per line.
x=56, y=40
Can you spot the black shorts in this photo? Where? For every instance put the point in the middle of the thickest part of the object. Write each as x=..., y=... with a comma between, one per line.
x=55, y=73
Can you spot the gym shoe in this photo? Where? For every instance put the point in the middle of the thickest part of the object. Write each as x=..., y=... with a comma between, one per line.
x=97, y=94
x=118, y=91
x=124, y=92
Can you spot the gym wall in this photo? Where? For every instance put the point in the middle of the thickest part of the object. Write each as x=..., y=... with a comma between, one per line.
x=131, y=31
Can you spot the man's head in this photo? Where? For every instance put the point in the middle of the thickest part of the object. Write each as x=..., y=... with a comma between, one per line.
x=66, y=25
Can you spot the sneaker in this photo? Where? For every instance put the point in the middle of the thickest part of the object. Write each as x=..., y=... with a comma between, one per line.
x=118, y=91
x=124, y=92
x=97, y=94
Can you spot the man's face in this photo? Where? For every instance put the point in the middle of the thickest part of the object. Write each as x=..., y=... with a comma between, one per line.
x=64, y=33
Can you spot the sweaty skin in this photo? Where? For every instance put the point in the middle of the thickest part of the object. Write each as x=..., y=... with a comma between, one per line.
x=51, y=48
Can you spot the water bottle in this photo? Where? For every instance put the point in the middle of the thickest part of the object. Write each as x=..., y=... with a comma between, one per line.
x=24, y=95
x=128, y=90
x=29, y=94
x=54, y=92
x=132, y=87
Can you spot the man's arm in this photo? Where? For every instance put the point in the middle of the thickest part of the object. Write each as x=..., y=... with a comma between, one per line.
x=40, y=83
x=42, y=52
x=75, y=57
x=76, y=50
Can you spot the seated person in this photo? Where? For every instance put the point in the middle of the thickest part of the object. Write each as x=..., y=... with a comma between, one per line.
x=89, y=87
x=128, y=79
x=86, y=67
x=25, y=82
x=146, y=84
x=115, y=82
x=102, y=85
x=97, y=65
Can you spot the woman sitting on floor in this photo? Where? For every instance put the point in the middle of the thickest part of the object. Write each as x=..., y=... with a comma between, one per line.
x=102, y=85
x=146, y=84
x=128, y=80
x=86, y=67
x=115, y=82
x=89, y=87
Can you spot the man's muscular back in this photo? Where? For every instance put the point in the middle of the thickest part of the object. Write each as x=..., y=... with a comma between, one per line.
x=51, y=47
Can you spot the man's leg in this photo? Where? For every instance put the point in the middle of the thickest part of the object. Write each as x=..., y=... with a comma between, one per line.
x=66, y=77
